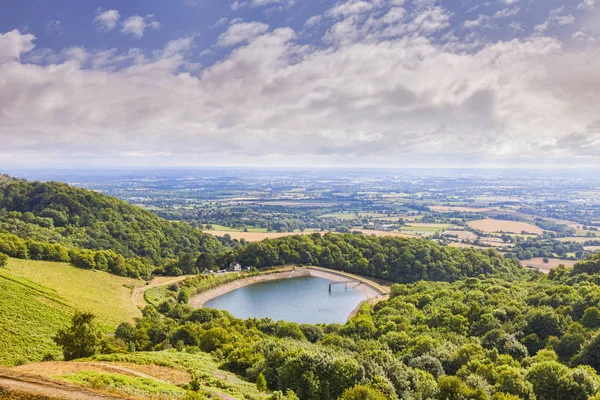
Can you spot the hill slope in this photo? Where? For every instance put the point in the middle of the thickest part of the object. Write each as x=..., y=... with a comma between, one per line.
x=37, y=298
x=54, y=212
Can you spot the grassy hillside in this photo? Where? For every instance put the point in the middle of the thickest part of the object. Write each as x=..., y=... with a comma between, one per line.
x=58, y=213
x=30, y=315
x=37, y=298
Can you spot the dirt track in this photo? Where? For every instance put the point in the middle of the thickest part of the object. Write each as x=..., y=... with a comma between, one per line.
x=137, y=296
x=12, y=381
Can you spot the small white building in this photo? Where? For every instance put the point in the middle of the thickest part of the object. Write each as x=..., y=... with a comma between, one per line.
x=234, y=266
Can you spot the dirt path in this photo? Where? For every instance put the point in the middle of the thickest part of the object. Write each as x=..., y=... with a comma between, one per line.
x=137, y=296
x=24, y=383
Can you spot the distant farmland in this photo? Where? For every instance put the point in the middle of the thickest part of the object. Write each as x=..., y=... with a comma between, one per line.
x=497, y=225
x=256, y=236
x=552, y=263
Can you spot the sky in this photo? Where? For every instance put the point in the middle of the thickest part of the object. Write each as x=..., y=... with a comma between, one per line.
x=310, y=83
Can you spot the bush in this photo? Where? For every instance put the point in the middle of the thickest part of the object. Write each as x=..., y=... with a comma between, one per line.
x=591, y=318
x=184, y=296
x=3, y=259
x=261, y=383
x=81, y=339
x=362, y=392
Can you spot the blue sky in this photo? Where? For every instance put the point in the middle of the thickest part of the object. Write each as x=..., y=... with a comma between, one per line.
x=300, y=83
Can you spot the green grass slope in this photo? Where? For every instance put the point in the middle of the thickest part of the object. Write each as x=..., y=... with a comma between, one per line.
x=37, y=298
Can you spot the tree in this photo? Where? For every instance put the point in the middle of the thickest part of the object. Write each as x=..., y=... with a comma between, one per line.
x=261, y=383
x=81, y=339
x=278, y=395
x=184, y=296
x=554, y=381
x=362, y=392
x=591, y=318
x=3, y=259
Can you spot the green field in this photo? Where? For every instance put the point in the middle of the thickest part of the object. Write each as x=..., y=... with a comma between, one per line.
x=37, y=298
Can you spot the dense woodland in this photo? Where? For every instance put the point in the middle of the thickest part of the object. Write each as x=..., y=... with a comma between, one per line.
x=493, y=338
x=58, y=213
x=57, y=222
x=395, y=259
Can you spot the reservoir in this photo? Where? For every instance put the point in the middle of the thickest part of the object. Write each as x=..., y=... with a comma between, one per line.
x=304, y=299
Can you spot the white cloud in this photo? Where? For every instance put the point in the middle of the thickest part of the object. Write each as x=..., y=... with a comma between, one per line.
x=106, y=21
x=507, y=12
x=555, y=19
x=236, y=5
x=481, y=21
x=351, y=7
x=241, y=32
x=13, y=44
x=54, y=27
x=312, y=21
x=395, y=87
x=581, y=36
x=587, y=4
x=136, y=25
x=430, y=20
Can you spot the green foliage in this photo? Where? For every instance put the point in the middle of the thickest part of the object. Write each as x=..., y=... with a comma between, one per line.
x=81, y=339
x=591, y=318
x=3, y=259
x=393, y=258
x=183, y=296
x=133, y=386
x=30, y=315
x=362, y=392
x=204, y=367
x=279, y=395
x=554, y=381
x=261, y=383
x=590, y=265
x=52, y=212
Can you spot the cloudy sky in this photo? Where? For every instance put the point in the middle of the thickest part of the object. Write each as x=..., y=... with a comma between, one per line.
x=300, y=83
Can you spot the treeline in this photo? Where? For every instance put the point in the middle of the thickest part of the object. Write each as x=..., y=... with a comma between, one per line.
x=395, y=259
x=77, y=218
x=103, y=260
x=540, y=247
x=591, y=265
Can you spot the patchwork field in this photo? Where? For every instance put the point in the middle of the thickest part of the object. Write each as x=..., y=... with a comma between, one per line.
x=576, y=239
x=497, y=225
x=383, y=233
x=458, y=209
x=462, y=235
x=256, y=236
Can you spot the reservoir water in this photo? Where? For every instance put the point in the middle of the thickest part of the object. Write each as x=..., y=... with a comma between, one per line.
x=303, y=299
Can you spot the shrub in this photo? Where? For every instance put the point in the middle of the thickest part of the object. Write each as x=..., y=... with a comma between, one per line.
x=81, y=339
x=261, y=383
